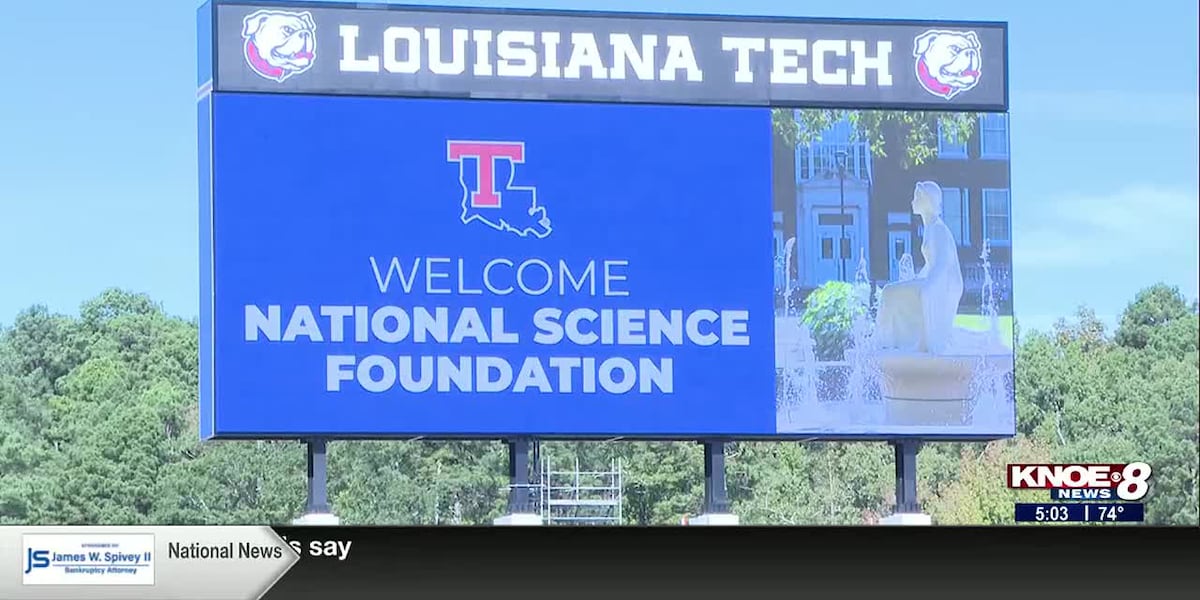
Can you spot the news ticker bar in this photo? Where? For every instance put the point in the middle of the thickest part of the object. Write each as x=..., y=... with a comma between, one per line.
x=1080, y=512
x=533, y=563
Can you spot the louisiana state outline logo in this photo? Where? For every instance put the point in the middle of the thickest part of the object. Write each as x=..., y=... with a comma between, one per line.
x=486, y=171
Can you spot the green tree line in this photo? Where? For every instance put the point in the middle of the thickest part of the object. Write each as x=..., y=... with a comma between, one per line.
x=98, y=425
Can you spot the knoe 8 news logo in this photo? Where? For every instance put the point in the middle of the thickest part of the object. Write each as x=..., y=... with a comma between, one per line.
x=1130, y=481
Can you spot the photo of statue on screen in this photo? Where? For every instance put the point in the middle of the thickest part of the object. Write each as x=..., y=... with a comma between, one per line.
x=918, y=315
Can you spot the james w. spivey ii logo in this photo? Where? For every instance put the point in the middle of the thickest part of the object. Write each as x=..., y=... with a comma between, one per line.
x=278, y=43
x=948, y=63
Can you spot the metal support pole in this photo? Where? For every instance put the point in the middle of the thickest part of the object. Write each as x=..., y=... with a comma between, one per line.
x=518, y=476
x=906, y=476
x=842, y=216
x=840, y=156
x=535, y=476
x=318, y=483
x=716, y=500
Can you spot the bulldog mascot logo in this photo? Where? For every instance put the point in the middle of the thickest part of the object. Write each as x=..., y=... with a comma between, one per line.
x=948, y=62
x=279, y=44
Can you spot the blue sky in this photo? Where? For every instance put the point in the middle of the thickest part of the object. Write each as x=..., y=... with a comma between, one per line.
x=97, y=145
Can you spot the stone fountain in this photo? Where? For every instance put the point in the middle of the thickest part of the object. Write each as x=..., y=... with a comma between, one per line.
x=929, y=366
x=908, y=364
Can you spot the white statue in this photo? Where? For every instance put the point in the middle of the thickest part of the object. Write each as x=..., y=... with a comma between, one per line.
x=918, y=315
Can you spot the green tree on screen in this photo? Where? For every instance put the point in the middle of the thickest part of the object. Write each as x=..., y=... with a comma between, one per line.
x=919, y=128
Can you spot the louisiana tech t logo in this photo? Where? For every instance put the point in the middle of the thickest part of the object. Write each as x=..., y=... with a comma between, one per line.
x=486, y=171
